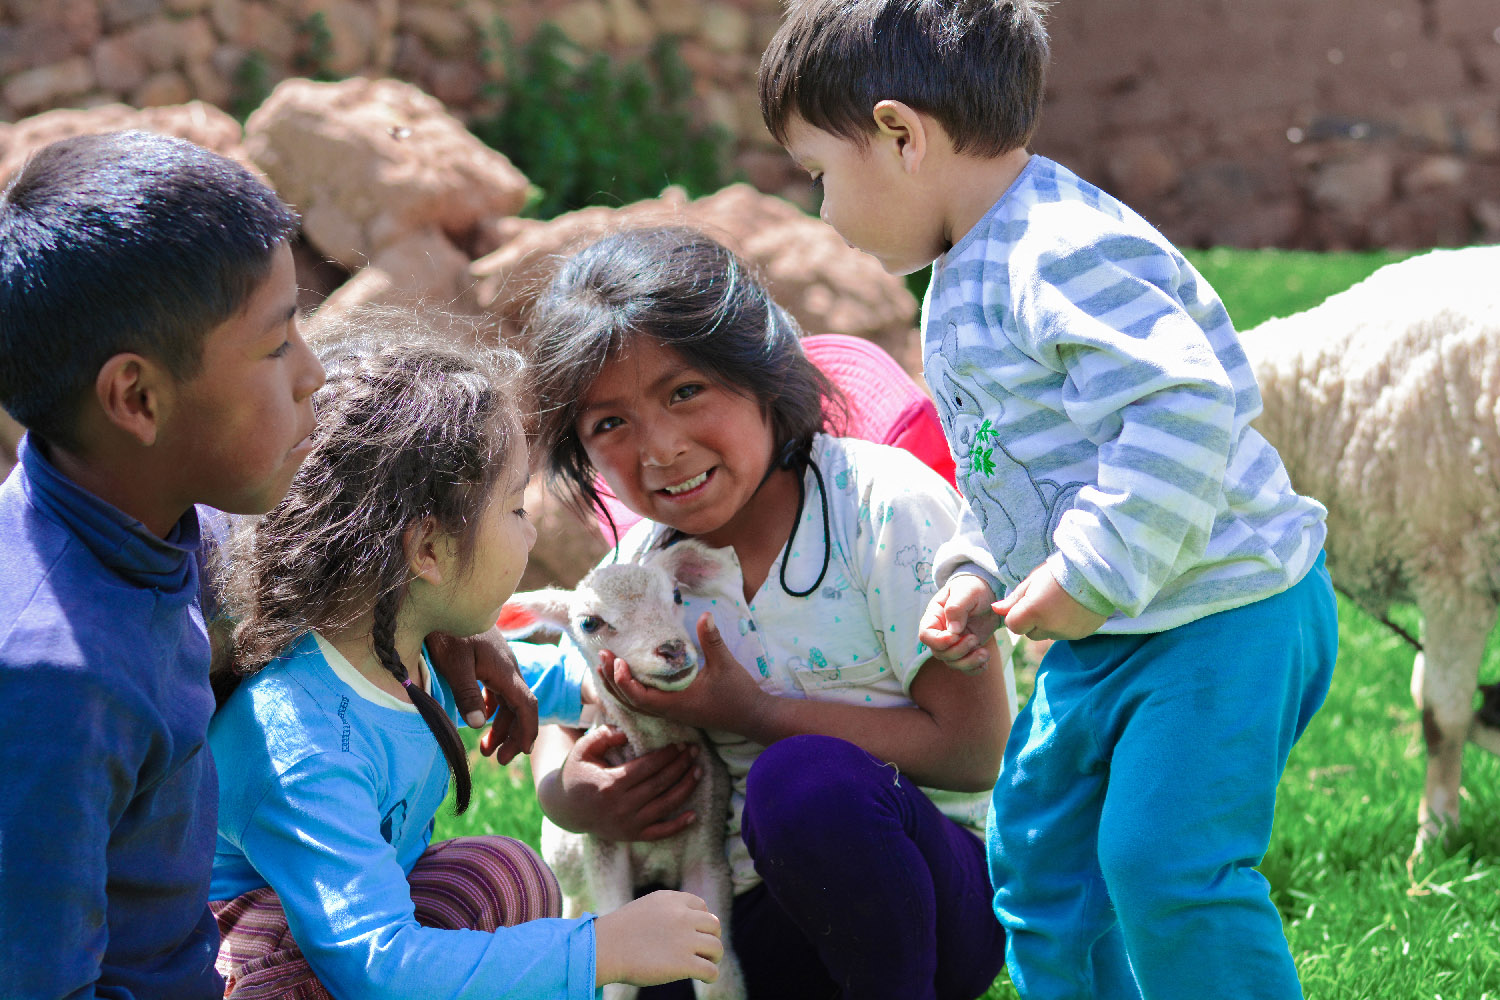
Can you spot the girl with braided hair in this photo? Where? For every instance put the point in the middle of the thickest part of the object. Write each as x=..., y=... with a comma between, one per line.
x=336, y=740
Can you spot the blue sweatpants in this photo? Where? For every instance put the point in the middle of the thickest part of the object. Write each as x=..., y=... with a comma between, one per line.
x=1136, y=800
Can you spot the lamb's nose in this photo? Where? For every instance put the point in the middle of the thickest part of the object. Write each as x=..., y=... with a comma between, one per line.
x=674, y=652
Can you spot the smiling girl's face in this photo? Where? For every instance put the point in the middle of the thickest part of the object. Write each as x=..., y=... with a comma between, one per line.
x=672, y=444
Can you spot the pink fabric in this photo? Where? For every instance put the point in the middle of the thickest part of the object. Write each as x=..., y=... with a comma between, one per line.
x=885, y=405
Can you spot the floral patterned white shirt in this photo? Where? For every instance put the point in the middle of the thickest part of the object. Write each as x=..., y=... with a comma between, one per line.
x=854, y=638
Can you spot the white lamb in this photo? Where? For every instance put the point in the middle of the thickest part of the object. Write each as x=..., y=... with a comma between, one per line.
x=633, y=611
x=1384, y=402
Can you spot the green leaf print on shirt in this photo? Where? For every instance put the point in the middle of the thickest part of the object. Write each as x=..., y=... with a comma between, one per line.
x=981, y=456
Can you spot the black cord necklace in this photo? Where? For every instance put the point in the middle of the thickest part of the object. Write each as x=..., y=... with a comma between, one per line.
x=797, y=456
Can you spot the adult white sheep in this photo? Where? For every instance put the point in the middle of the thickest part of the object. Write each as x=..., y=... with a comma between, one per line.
x=633, y=611
x=1384, y=402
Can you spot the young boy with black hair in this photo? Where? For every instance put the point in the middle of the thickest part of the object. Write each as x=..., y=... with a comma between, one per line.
x=1098, y=403
x=149, y=343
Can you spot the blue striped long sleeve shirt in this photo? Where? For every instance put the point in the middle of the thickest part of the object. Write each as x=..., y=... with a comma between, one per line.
x=1098, y=404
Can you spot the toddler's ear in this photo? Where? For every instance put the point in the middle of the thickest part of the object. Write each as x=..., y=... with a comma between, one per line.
x=900, y=122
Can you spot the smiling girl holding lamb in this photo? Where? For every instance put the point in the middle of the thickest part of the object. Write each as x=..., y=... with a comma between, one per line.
x=860, y=778
x=405, y=520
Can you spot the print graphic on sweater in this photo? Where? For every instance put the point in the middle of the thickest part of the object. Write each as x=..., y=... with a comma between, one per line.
x=1017, y=514
x=393, y=822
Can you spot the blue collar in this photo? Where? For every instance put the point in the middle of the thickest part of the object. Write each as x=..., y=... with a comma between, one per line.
x=117, y=540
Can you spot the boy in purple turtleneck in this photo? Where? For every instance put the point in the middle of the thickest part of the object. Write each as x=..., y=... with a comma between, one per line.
x=149, y=343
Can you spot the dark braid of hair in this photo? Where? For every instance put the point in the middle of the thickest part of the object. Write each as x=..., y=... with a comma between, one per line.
x=383, y=634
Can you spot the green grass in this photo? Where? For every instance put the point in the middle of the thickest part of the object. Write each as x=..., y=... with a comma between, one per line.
x=1259, y=284
x=1359, y=927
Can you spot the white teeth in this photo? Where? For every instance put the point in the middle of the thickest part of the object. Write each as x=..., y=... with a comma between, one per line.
x=693, y=483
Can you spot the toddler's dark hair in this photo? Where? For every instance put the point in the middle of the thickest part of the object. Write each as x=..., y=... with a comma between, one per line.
x=977, y=66
x=125, y=241
x=410, y=426
x=690, y=294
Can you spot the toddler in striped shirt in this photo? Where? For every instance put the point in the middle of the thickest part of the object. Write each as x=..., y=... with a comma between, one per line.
x=1098, y=404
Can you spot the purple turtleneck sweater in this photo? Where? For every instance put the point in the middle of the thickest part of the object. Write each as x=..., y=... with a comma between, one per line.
x=107, y=793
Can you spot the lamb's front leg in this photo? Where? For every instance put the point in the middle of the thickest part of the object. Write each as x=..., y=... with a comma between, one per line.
x=707, y=876
x=611, y=886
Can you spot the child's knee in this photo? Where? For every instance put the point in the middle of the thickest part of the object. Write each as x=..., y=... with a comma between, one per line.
x=804, y=784
x=483, y=883
x=1150, y=878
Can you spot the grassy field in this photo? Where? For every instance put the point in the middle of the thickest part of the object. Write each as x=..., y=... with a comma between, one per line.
x=1359, y=926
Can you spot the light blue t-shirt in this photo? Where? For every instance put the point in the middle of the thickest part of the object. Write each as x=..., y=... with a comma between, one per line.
x=327, y=792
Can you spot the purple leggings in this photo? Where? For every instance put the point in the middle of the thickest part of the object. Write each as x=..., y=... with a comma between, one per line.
x=868, y=891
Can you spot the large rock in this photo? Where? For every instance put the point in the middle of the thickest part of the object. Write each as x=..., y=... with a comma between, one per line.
x=371, y=163
x=195, y=121
x=827, y=286
x=422, y=270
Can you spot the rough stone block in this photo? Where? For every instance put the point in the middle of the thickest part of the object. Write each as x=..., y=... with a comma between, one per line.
x=195, y=121
x=370, y=162
x=629, y=26
x=827, y=286
x=161, y=90
x=677, y=17
x=724, y=28
x=118, y=64
x=49, y=86
x=585, y=22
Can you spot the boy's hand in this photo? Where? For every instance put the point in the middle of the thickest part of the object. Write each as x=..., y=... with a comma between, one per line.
x=660, y=938
x=486, y=659
x=1040, y=609
x=958, y=623
x=723, y=696
x=640, y=799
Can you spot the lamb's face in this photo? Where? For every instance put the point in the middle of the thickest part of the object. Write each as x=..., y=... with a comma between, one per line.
x=633, y=611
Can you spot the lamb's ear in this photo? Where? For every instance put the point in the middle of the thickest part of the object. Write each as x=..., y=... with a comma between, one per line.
x=538, y=615
x=693, y=564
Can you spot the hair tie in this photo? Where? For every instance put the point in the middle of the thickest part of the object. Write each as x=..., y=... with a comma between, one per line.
x=406, y=682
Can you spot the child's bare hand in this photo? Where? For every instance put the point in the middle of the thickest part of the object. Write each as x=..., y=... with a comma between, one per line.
x=723, y=696
x=660, y=938
x=486, y=659
x=641, y=799
x=958, y=623
x=1040, y=609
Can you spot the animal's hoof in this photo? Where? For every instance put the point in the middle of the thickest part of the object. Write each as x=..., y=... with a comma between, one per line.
x=1432, y=836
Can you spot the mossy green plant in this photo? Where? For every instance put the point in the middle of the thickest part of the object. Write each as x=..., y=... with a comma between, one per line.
x=590, y=130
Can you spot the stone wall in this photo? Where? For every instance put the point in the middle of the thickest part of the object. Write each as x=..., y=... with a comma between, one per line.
x=1298, y=123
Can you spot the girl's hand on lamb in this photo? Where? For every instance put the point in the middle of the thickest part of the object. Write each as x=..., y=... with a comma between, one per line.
x=660, y=938
x=486, y=659
x=1040, y=609
x=641, y=799
x=958, y=623
x=722, y=697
